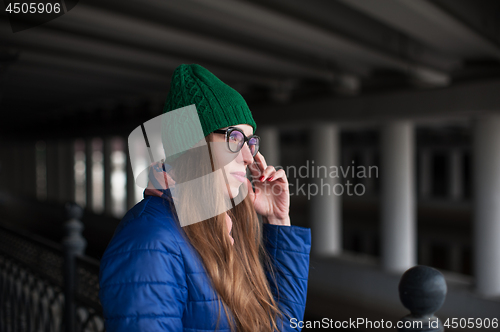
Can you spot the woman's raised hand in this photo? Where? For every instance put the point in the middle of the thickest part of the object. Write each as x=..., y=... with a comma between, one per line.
x=271, y=198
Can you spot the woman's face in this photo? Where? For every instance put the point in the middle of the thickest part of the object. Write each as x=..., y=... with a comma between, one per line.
x=235, y=170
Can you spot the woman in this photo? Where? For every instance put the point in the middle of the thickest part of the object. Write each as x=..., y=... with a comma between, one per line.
x=226, y=272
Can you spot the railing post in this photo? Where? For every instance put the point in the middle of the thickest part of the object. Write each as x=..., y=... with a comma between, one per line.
x=422, y=290
x=74, y=244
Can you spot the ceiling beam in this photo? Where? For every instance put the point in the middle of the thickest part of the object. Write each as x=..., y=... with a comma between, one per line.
x=91, y=49
x=339, y=18
x=430, y=24
x=76, y=66
x=167, y=40
x=250, y=21
x=459, y=101
x=325, y=43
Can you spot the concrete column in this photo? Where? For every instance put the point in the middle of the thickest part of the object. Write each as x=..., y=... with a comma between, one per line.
x=52, y=171
x=486, y=184
x=89, y=175
x=425, y=176
x=41, y=170
x=70, y=161
x=106, y=155
x=326, y=207
x=66, y=167
x=131, y=199
x=29, y=169
x=398, y=197
x=456, y=175
x=269, y=144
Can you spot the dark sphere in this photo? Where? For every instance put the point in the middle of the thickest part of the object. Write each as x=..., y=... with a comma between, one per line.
x=422, y=290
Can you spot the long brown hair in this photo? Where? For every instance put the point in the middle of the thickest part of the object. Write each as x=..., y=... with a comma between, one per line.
x=237, y=271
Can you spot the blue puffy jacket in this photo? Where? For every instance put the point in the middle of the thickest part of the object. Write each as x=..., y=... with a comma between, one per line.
x=151, y=279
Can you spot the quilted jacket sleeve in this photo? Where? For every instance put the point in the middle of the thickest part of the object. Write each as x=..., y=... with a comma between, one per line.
x=142, y=281
x=289, y=248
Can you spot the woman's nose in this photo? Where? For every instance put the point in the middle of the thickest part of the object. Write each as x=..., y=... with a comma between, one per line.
x=246, y=154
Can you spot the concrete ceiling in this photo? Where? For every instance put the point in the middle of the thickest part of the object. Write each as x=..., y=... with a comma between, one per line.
x=115, y=57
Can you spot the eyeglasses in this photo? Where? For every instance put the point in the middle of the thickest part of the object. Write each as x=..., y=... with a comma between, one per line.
x=235, y=139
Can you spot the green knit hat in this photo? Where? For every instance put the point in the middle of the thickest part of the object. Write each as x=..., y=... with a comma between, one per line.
x=218, y=105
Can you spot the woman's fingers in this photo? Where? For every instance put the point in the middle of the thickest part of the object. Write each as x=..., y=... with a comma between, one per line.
x=267, y=174
x=260, y=161
x=277, y=175
x=261, y=172
x=271, y=174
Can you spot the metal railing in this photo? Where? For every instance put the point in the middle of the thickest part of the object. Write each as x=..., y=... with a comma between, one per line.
x=51, y=287
x=45, y=286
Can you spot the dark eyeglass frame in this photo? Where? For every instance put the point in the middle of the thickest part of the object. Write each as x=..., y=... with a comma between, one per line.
x=227, y=132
